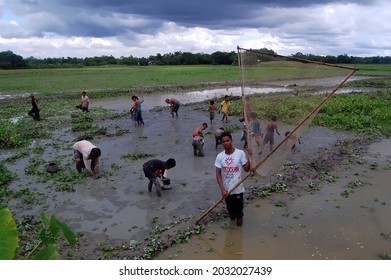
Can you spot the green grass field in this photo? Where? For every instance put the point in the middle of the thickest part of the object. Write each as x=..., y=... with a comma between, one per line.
x=368, y=113
x=110, y=79
x=118, y=79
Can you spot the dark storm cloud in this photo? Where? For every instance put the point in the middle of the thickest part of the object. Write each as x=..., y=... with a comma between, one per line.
x=101, y=18
x=144, y=27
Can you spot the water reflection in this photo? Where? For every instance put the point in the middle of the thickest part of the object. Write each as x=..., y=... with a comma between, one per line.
x=153, y=100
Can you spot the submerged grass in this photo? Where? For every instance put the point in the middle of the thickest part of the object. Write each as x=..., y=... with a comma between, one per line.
x=17, y=129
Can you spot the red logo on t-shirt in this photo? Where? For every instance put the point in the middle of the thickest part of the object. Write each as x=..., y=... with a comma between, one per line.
x=229, y=161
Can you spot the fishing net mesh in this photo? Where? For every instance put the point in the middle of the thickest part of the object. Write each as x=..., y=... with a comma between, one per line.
x=292, y=91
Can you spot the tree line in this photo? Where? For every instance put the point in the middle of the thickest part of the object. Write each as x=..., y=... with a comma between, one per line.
x=10, y=60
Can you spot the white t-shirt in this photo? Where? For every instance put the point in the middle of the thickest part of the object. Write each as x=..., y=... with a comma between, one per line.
x=231, y=169
x=84, y=147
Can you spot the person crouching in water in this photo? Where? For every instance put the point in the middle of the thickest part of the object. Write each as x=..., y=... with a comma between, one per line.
x=156, y=166
x=198, y=140
x=83, y=151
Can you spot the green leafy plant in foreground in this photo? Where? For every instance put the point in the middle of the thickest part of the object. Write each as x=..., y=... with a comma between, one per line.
x=49, y=236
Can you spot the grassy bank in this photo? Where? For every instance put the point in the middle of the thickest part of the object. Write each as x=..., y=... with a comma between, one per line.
x=121, y=79
x=55, y=82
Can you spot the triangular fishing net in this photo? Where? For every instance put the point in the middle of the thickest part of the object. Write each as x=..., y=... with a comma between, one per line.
x=292, y=90
x=287, y=85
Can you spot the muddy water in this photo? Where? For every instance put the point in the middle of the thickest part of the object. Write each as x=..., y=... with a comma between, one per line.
x=324, y=225
x=152, y=100
x=119, y=207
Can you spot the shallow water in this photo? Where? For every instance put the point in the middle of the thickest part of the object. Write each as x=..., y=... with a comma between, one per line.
x=119, y=207
x=324, y=225
x=152, y=100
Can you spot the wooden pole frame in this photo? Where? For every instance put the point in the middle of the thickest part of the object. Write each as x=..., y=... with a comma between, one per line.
x=311, y=114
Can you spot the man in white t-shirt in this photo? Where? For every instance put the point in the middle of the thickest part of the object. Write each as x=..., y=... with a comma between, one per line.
x=83, y=151
x=229, y=165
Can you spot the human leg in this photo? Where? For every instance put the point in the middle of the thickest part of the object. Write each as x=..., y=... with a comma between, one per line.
x=201, y=149
x=153, y=180
x=78, y=160
x=271, y=142
x=158, y=187
x=31, y=113
x=235, y=207
x=194, y=147
x=176, y=109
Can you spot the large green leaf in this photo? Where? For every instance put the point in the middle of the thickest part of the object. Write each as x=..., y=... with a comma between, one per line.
x=48, y=253
x=54, y=226
x=69, y=234
x=8, y=235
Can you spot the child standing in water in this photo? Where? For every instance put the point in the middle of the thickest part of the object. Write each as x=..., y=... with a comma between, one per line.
x=269, y=135
x=211, y=110
x=225, y=107
x=255, y=127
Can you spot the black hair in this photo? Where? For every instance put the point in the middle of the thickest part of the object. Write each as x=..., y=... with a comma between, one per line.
x=274, y=118
x=205, y=124
x=224, y=134
x=95, y=152
x=212, y=102
x=171, y=162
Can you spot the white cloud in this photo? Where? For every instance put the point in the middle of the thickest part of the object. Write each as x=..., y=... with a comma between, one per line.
x=76, y=29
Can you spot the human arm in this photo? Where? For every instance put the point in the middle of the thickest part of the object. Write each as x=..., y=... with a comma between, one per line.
x=245, y=161
x=97, y=168
x=246, y=166
x=36, y=104
x=87, y=166
x=219, y=179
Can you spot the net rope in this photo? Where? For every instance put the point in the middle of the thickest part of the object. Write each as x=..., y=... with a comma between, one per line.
x=282, y=77
x=287, y=85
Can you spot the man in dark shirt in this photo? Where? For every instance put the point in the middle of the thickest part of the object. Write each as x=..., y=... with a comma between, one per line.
x=154, y=168
x=34, y=112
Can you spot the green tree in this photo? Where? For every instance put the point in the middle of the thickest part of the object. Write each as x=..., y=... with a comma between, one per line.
x=9, y=60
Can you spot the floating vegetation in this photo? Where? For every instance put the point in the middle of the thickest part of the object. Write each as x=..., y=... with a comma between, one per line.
x=136, y=156
x=312, y=187
x=357, y=183
x=386, y=236
x=266, y=190
x=280, y=203
x=326, y=176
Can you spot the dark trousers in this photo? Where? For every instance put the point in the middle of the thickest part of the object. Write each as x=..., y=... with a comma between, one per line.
x=234, y=204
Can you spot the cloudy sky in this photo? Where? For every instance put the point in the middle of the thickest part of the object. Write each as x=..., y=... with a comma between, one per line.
x=85, y=28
